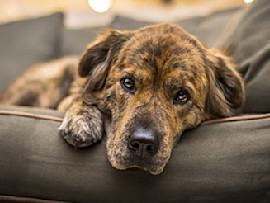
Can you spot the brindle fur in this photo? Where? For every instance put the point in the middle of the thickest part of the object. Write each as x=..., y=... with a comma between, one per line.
x=161, y=59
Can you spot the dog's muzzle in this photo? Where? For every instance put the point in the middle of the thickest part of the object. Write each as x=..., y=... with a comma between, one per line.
x=143, y=143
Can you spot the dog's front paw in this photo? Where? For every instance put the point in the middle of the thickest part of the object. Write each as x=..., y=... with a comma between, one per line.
x=81, y=130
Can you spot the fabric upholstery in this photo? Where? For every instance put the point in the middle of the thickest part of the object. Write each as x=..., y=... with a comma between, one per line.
x=225, y=162
x=209, y=28
x=249, y=44
x=26, y=42
x=126, y=23
x=205, y=28
x=76, y=40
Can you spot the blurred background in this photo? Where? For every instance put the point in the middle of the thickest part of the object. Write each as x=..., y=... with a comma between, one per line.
x=35, y=31
x=80, y=13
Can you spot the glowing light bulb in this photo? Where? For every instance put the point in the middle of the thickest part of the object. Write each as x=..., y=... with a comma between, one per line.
x=100, y=5
x=248, y=1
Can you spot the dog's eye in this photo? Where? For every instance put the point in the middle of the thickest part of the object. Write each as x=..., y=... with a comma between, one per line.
x=181, y=97
x=128, y=85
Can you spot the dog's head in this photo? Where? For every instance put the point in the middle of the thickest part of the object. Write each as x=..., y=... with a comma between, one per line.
x=156, y=82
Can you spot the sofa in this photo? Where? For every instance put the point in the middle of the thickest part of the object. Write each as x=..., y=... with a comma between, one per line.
x=225, y=160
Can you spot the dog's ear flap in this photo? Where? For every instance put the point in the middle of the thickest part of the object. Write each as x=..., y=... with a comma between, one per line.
x=226, y=87
x=96, y=59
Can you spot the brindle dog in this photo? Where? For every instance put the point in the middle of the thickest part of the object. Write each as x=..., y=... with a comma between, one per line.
x=145, y=86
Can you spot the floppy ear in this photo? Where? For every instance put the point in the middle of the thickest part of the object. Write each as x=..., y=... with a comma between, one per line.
x=226, y=87
x=96, y=59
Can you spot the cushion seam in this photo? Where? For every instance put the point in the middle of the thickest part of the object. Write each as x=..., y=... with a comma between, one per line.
x=208, y=122
x=31, y=115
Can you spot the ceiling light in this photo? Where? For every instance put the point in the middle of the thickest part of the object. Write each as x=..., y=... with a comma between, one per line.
x=248, y=1
x=100, y=6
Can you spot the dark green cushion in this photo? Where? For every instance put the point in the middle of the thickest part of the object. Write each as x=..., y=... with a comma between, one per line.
x=226, y=162
x=26, y=42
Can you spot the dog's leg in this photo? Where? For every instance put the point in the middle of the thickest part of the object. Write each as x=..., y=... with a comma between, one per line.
x=82, y=125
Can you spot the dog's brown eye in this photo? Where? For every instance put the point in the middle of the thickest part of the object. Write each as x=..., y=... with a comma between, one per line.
x=128, y=85
x=181, y=97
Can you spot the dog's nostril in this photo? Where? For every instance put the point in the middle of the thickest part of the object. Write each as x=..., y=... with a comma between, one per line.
x=149, y=148
x=135, y=145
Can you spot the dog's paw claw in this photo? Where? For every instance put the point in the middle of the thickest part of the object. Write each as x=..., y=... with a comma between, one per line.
x=80, y=132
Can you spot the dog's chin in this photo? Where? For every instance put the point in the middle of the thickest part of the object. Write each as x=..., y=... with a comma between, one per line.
x=151, y=170
x=154, y=165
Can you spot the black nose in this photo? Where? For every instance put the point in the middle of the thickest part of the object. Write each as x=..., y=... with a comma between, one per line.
x=143, y=142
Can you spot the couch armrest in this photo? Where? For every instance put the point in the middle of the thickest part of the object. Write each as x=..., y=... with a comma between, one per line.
x=223, y=162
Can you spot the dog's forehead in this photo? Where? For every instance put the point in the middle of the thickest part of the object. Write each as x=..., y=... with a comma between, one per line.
x=164, y=49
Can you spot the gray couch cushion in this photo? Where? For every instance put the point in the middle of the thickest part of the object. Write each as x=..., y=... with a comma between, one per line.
x=126, y=23
x=225, y=162
x=76, y=40
x=205, y=28
x=249, y=44
x=26, y=42
x=209, y=28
